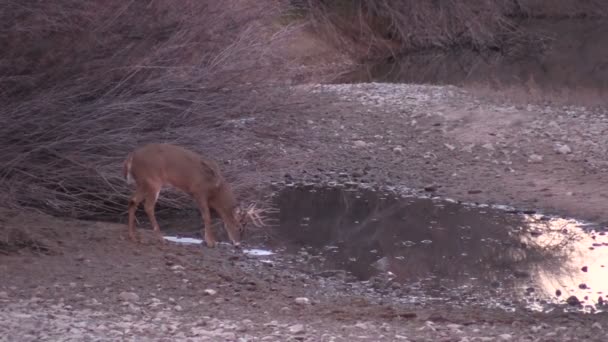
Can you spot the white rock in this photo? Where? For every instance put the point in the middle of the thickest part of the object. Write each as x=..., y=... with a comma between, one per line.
x=302, y=301
x=210, y=292
x=597, y=325
x=488, y=146
x=398, y=149
x=535, y=158
x=505, y=337
x=450, y=147
x=536, y=329
x=128, y=296
x=563, y=149
x=360, y=143
x=297, y=329
x=363, y=325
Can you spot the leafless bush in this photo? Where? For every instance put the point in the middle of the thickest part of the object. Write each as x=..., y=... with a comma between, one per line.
x=84, y=82
x=372, y=29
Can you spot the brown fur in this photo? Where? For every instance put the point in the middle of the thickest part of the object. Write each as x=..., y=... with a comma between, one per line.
x=156, y=165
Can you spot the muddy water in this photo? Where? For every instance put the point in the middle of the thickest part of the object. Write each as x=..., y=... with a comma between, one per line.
x=429, y=249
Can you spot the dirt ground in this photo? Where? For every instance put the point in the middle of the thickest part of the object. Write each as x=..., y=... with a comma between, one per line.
x=72, y=280
x=84, y=281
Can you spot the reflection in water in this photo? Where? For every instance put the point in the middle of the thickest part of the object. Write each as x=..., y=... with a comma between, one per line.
x=446, y=249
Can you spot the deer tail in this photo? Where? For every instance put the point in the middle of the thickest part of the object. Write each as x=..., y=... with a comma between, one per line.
x=126, y=168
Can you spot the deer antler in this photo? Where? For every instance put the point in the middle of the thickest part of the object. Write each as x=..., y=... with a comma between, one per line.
x=256, y=215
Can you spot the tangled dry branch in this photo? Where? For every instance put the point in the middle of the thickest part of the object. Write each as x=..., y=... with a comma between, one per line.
x=83, y=83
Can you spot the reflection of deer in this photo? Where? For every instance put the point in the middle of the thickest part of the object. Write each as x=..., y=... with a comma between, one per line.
x=155, y=165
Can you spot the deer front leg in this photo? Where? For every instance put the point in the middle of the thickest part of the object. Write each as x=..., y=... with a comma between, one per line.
x=230, y=224
x=206, y=216
x=150, y=203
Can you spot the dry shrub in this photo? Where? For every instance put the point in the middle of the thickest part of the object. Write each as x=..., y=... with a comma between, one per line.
x=379, y=29
x=82, y=83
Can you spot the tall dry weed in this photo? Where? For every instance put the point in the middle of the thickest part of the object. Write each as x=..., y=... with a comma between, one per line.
x=84, y=82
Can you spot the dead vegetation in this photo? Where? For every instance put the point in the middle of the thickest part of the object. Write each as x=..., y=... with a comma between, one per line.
x=380, y=29
x=83, y=83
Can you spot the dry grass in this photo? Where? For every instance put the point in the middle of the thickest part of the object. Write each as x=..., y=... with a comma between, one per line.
x=83, y=83
x=379, y=29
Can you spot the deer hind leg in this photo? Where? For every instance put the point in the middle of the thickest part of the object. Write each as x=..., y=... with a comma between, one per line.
x=150, y=203
x=206, y=216
x=134, y=202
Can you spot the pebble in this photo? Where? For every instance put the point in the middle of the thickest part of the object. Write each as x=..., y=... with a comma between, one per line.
x=535, y=158
x=505, y=337
x=360, y=143
x=128, y=296
x=210, y=292
x=573, y=300
x=563, y=149
x=297, y=329
x=488, y=146
x=302, y=301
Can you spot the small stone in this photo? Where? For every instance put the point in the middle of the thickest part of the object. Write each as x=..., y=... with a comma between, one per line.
x=535, y=158
x=430, y=188
x=584, y=269
x=360, y=143
x=297, y=329
x=505, y=337
x=210, y=292
x=3, y=295
x=597, y=325
x=272, y=324
x=573, y=301
x=563, y=149
x=128, y=296
x=450, y=147
x=361, y=325
x=302, y=301
x=582, y=286
x=558, y=293
x=488, y=146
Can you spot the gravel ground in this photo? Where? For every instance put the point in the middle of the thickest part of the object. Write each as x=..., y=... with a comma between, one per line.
x=94, y=285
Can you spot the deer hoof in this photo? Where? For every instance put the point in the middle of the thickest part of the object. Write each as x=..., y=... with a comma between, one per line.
x=210, y=243
x=133, y=238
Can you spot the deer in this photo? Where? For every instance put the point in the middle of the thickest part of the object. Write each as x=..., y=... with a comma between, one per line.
x=154, y=166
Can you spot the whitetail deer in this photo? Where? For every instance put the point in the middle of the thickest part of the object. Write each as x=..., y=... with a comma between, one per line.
x=156, y=165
